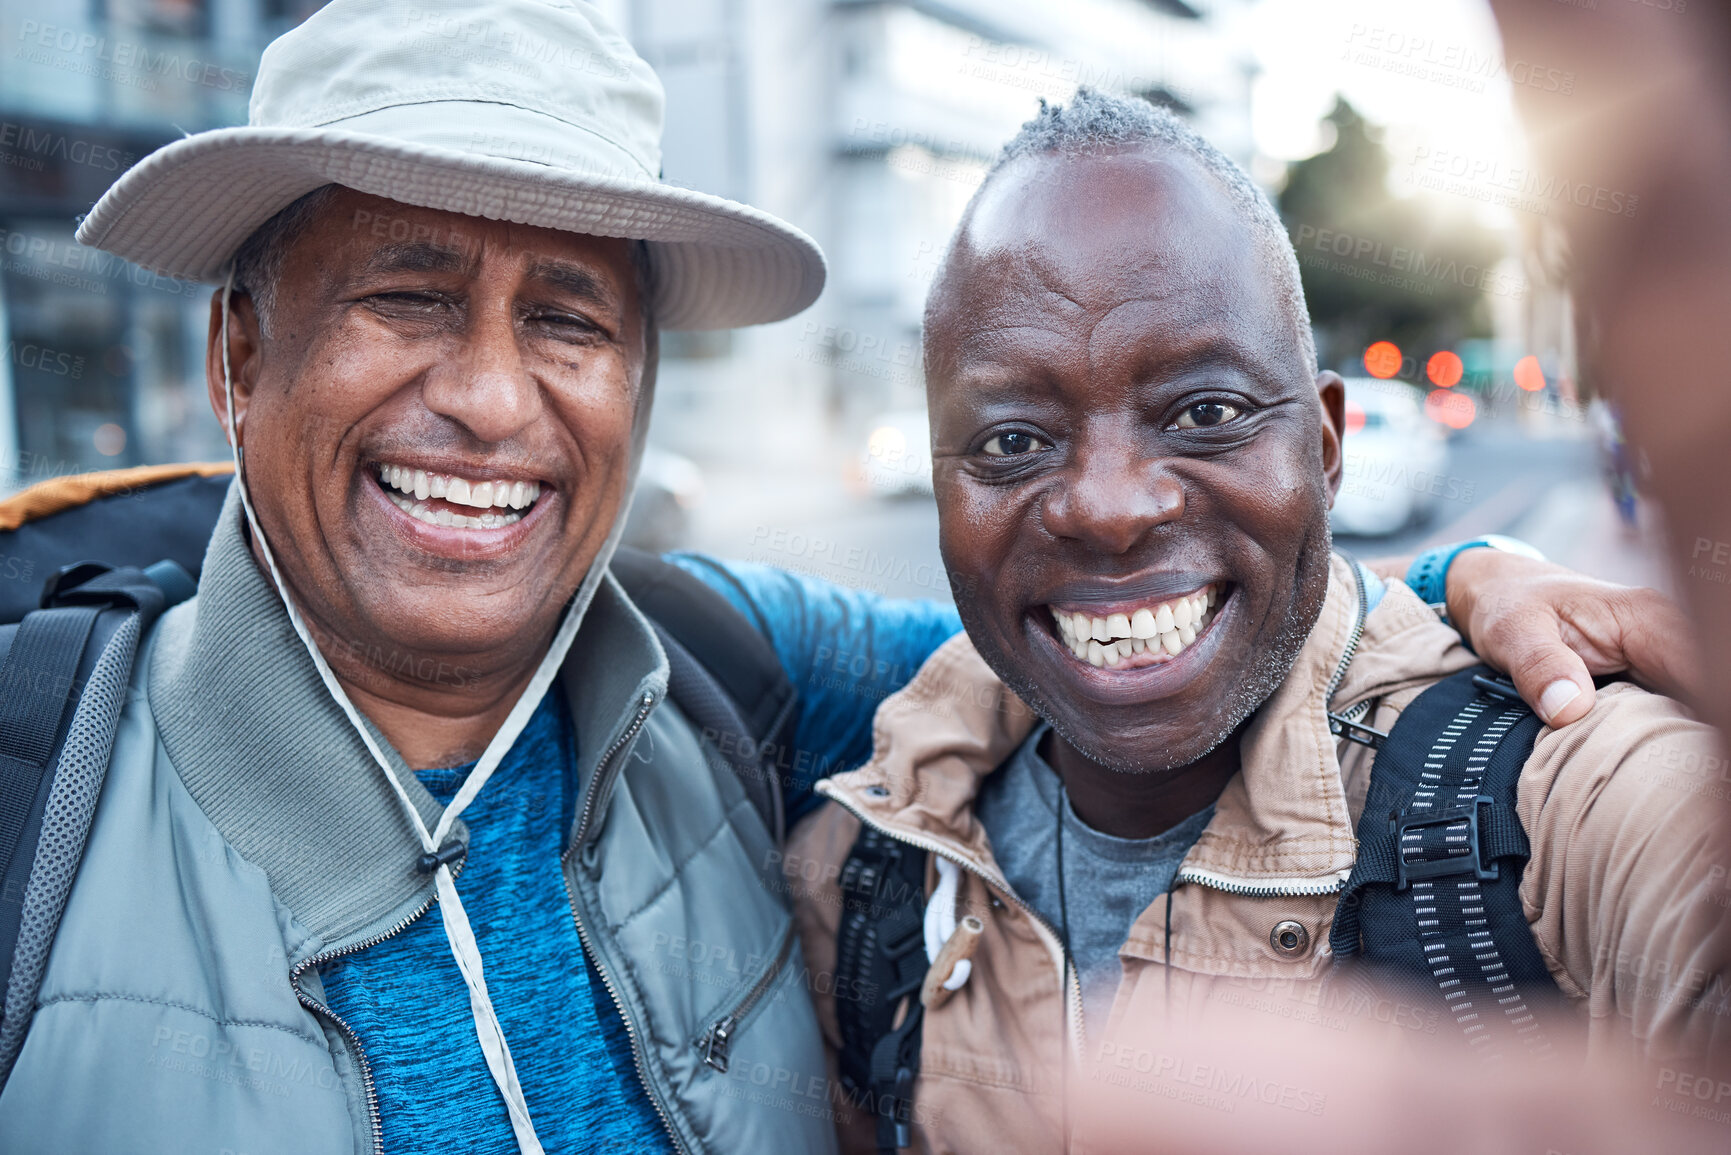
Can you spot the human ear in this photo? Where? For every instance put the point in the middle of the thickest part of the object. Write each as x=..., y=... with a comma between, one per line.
x=243, y=355
x=1331, y=391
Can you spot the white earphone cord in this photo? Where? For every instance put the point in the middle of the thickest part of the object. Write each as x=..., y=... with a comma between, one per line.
x=456, y=920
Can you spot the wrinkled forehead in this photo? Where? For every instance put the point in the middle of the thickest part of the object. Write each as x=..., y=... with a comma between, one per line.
x=1141, y=239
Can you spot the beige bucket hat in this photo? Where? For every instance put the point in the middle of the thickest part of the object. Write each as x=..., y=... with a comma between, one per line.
x=533, y=111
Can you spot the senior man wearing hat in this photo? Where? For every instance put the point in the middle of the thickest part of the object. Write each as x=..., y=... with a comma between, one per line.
x=442, y=274
x=434, y=352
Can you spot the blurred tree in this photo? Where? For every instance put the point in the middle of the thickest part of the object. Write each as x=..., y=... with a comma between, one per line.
x=1377, y=266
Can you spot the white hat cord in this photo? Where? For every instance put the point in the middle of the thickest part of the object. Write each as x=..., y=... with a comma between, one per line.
x=456, y=920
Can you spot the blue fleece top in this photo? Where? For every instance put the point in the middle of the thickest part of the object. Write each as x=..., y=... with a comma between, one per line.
x=843, y=650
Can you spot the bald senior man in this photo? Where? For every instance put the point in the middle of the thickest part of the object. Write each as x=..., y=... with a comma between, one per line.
x=1126, y=801
x=336, y=900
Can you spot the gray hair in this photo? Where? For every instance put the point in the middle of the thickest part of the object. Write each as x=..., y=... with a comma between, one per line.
x=258, y=263
x=1095, y=121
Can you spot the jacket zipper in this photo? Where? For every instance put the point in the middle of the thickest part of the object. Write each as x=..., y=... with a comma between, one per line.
x=715, y=1041
x=1073, y=988
x=352, y=1039
x=1254, y=890
x=604, y=774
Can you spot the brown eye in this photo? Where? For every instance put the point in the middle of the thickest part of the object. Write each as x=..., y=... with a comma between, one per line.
x=1013, y=445
x=1206, y=415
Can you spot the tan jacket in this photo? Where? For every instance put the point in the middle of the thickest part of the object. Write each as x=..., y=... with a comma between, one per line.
x=1625, y=895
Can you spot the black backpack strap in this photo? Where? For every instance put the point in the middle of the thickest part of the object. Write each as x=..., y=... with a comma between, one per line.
x=83, y=638
x=710, y=708
x=722, y=673
x=881, y=954
x=1433, y=901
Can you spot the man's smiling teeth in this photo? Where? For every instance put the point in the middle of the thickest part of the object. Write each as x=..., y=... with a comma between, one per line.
x=1166, y=628
x=415, y=486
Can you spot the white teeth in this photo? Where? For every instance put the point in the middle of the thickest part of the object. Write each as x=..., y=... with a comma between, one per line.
x=419, y=511
x=1110, y=640
x=493, y=496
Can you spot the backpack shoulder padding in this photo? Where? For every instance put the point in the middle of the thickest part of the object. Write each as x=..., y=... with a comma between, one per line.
x=716, y=634
x=722, y=672
x=124, y=517
x=1433, y=905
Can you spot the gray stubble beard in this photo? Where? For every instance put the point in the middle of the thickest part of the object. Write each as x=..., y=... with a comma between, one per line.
x=1265, y=677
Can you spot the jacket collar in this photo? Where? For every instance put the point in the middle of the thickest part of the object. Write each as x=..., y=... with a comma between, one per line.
x=273, y=762
x=1282, y=824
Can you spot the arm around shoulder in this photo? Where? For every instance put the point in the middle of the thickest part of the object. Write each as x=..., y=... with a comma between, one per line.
x=1628, y=890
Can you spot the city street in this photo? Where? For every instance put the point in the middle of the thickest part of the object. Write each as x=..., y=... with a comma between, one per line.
x=1549, y=492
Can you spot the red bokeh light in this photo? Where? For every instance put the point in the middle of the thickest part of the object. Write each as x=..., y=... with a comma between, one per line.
x=1446, y=407
x=1382, y=359
x=1528, y=374
x=1354, y=417
x=1444, y=369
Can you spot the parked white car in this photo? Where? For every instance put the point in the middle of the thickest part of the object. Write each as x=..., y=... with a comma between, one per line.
x=1395, y=463
x=897, y=458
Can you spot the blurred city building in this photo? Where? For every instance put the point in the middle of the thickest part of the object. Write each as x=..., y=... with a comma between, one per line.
x=867, y=122
x=104, y=361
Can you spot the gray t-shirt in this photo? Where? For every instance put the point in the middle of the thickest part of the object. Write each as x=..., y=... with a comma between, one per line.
x=1108, y=881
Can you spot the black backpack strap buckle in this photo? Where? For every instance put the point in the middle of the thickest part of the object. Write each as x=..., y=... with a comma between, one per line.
x=1440, y=844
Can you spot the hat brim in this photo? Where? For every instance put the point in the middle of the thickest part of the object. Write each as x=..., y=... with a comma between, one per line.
x=186, y=208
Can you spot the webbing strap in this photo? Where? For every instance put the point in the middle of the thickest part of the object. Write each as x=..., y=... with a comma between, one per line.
x=881, y=955
x=37, y=684
x=1433, y=897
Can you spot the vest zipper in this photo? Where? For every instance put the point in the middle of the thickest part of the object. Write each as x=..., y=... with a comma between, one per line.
x=715, y=1042
x=1073, y=989
x=604, y=773
x=349, y=1036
